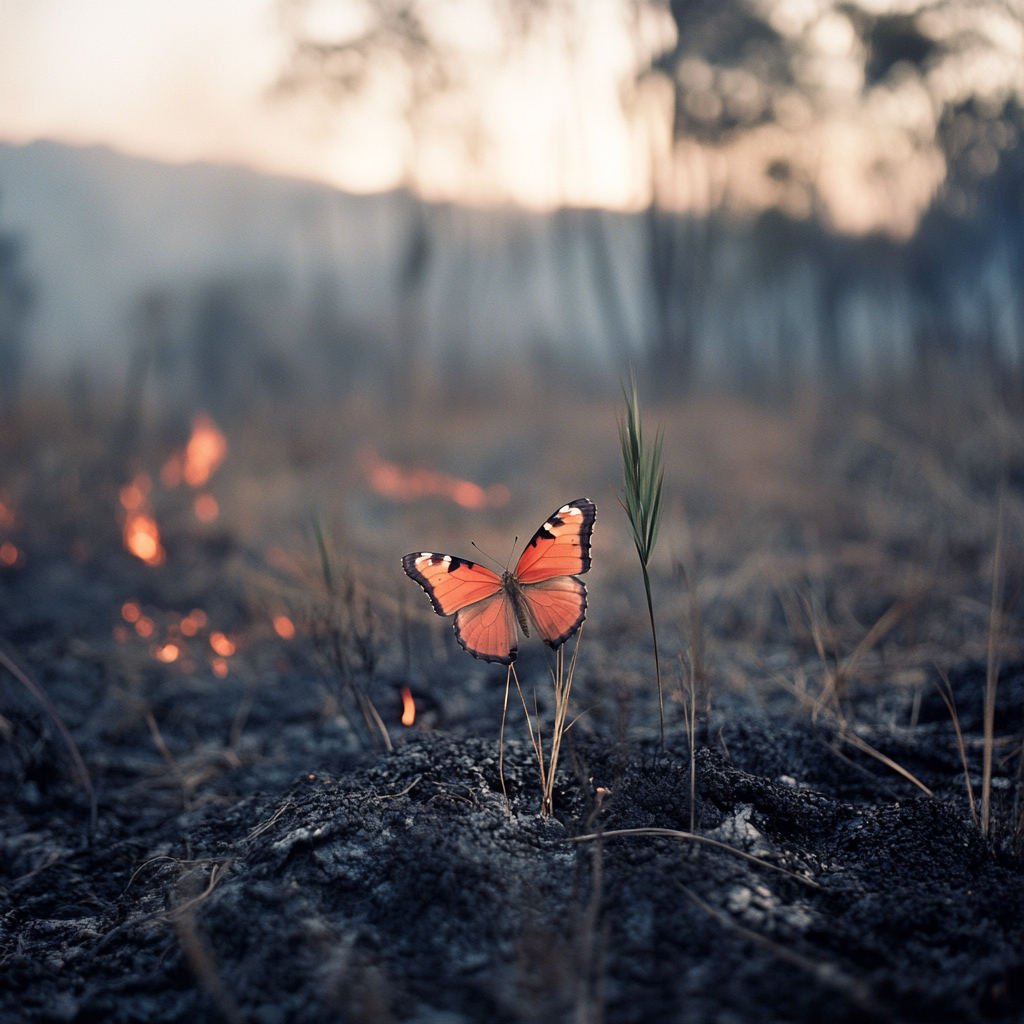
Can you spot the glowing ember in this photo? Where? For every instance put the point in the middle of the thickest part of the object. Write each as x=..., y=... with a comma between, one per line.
x=193, y=622
x=131, y=612
x=206, y=508
x=8, y=554
x=167, y=653
x=205, y=451
x=220, y=667
x=142, y=538
x=144, y=627
x=392, y=481
x=222, y=645
x=408, y=707
x=284, y=627
x=134, y=495
x=172, y=471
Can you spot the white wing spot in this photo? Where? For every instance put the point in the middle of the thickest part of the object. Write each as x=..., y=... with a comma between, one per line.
x=563, y=510
x=426, y=554
x=446, y=559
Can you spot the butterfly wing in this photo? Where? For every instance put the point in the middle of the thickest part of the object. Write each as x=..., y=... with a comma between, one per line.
x=561, y=547
x=451, y=583
x=557, y=606
x=487, y=629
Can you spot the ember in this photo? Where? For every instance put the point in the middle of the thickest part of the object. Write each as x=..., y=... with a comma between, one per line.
x=408, y=707
x=205, y=451
x=206, y=508
x=142, y=538
x=167, y=653
x=392, y=481
x=284, y=627
x=134, y=495
x=222, y=645
x=130, y=612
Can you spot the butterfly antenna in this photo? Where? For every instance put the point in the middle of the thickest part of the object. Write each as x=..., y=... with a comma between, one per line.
x=484, y=553
x=511, y=553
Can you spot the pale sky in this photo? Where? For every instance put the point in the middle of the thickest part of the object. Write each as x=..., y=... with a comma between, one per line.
x=184, y=80
x=557, y=120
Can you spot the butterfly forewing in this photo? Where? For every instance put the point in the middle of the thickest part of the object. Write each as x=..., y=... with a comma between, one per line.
x=557, y=606
x=561, y=547
x=544, y=580
x=487, y=629
x=451, y=583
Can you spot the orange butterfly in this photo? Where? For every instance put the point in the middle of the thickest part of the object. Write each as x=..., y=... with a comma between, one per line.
x=543, y=590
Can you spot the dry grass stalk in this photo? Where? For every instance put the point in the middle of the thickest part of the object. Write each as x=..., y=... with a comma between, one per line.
x=950, y=701
x=643, y=477
x=84, y=778
x=344, y=633
x=693, y=837
x=561, y=679
x=992, y=669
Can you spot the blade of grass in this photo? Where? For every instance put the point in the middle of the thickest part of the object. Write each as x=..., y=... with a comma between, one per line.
x=643, y=479
x=950, y=702
x=992, y=670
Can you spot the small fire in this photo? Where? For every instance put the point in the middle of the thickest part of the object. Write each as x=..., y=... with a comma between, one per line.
x=142, y=538
x=8, y=554
x=205, y=451
x=408, y=707
x=284, y=627
x=206, y=508
x=222, y=645
x=392, y=481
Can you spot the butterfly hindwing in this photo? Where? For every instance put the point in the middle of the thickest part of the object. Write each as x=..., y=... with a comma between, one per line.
x=557, y=606
x=487, y=629
x=451, y=583
x=561, y=547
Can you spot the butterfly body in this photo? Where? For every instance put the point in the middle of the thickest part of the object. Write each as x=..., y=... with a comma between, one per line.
x=542, y=592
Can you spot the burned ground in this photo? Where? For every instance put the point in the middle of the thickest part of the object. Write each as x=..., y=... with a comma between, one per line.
x=258, y=856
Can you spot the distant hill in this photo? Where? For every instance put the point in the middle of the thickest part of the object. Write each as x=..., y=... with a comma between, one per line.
x=220, y=273
x=100, y=229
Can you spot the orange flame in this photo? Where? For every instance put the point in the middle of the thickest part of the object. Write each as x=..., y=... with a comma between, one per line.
x=408, y=707
x=142, y=538
x=205, y=451
x=393, y=481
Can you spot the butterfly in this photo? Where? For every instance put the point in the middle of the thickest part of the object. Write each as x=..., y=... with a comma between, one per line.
x=542, y=591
